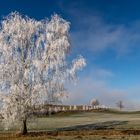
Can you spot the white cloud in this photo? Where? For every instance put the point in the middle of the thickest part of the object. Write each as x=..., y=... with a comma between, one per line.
x=102, y=73
x=97, y=36
x=94, y=34
x=90, y=87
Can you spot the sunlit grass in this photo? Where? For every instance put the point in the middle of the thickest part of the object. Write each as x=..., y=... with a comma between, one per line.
x=73, y=120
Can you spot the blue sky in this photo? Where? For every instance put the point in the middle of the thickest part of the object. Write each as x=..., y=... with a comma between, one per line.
x=107, y=34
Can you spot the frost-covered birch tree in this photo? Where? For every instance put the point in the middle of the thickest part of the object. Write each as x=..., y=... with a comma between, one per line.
x=33, y=65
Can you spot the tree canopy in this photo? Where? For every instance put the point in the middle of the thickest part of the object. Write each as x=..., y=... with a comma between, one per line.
x=33, y=64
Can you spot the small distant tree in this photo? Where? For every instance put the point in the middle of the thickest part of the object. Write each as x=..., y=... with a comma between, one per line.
x=94, y=103
x=33, y=65
x=120, y=105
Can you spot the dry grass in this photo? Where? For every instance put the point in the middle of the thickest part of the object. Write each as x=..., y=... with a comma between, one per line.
x=79, y=135
x=83, y=125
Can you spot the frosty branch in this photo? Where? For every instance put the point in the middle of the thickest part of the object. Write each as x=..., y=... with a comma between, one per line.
x=33, y=66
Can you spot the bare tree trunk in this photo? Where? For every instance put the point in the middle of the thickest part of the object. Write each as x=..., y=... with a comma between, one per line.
x=23, y=129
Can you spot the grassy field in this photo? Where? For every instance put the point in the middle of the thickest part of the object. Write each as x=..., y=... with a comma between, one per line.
x=82, y=125
x=95, y=119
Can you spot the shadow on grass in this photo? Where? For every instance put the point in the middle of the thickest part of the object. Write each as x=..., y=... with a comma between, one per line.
x=104, y=129
x=95, y=126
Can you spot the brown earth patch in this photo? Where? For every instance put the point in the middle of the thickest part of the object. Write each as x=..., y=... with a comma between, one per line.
x=85, y=133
